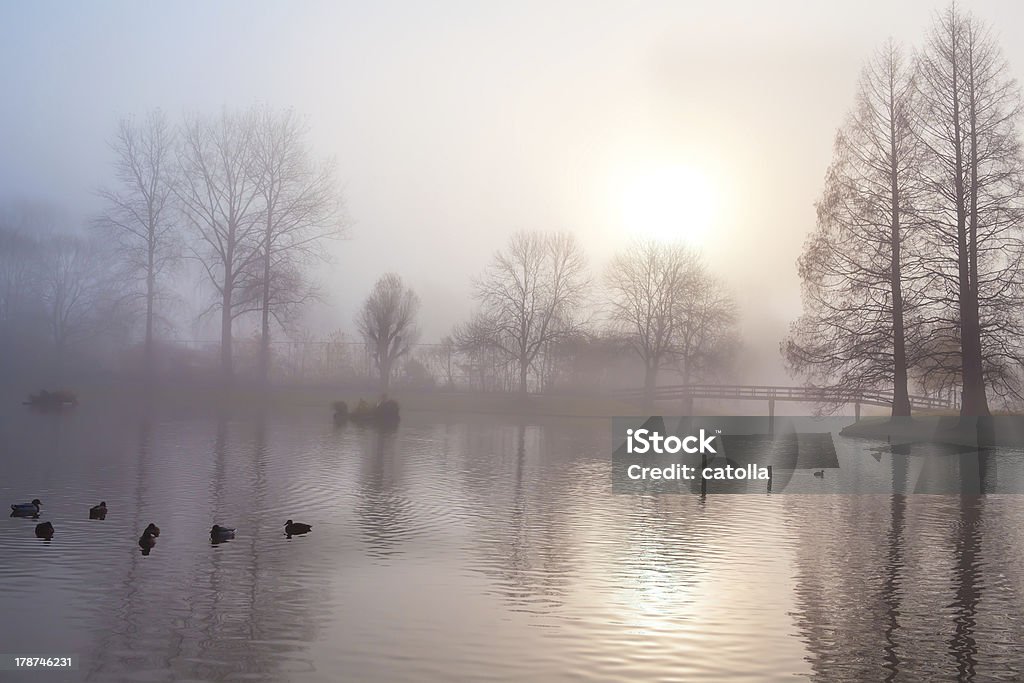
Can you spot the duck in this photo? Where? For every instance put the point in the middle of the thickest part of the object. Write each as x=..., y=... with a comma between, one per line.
x=293, y=528
x=148, y=538
x=26, y=509
x=98, y=511
x=820, y=474
x=44, y=530
x=220, y=533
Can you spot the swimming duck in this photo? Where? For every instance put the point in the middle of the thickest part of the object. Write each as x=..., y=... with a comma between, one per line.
x=98, y=511
x=220, y=533
x=148, y=538
x=26, y=509
x=44, y=530
x=820, y=474
x=293, y=528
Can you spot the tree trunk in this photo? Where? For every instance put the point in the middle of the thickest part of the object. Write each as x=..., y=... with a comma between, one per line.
x=265, y=309
x=225, y=332
x=149, y=370
x=973, y=367
x=975, y=402
x=524, y=366
x=900, y=393
x=688, y=398
x=650, y=382
x=385, y=372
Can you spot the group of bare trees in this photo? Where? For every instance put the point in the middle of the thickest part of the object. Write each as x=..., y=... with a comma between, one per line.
x=537, y=311
x=914, y=270
x=59, y=291
x=241, y=195
x=238, y=197
x=671, y=311
x=529, y=297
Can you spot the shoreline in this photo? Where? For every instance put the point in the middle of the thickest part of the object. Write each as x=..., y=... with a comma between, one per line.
x=1005, y=431
x=286, y=398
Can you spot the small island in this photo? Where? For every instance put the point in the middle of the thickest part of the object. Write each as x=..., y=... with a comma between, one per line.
x=52, y=400
x=382, y=413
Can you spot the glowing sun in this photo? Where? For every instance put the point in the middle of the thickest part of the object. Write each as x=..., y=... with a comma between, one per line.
x=669, y=204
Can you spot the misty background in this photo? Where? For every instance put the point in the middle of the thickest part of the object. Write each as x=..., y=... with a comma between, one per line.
x=456, y=125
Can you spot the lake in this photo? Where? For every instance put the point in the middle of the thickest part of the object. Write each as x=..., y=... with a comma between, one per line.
x=479, y=549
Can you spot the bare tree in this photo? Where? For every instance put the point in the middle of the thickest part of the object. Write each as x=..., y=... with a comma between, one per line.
x=446, y=358
x=301, y=210
x=25, y=227
x=855, y=268
x=484, y=365
x=139, y=214
x=969, y=110
x=387, y=322
x=648, y=287
x=76, y=288
x=22, y=325
x=708, y=340
x=19, y=253
x=220, y=199
x=529, y=297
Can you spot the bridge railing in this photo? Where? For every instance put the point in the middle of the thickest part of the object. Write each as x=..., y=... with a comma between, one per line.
x=767, y=392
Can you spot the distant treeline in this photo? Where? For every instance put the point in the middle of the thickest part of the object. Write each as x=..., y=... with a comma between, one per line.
x=239, y=199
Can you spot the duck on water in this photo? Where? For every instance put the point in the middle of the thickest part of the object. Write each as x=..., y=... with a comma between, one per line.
x=26, y=509
x=296, y=528
x=44, y=531
x=98, y=511
x=148, y=538
x=220, y=533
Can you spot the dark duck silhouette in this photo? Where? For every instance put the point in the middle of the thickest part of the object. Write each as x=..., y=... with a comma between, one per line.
x=44, y=530
x=148, y=538
x=26, y=509
x=220, y=533
x=296, y=528
x=98, y=511
x=820, y=474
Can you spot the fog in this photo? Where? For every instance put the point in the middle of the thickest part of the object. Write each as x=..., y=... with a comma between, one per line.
x=456, y=124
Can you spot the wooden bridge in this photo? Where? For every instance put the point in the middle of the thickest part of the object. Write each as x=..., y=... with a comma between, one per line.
x=753, y=392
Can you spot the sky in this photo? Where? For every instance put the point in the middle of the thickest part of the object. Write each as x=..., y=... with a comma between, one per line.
x=455, y=124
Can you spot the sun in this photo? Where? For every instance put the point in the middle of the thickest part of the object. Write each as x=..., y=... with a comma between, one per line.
x=669, y=204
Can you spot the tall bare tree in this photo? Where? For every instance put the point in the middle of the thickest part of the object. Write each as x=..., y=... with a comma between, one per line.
x=708, y=340
x=855, y=267
x=648, y=287
x=968, y=117
x=302, y=209
x=139, y=215
x=387, y=322
x=529, y=297
x=220, y=198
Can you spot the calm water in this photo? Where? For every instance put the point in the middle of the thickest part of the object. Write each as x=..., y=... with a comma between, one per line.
x=478, y=549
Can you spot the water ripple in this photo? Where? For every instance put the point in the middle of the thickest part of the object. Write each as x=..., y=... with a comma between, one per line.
x=480, y=550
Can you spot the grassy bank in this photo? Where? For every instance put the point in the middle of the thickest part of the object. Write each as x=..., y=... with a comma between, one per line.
x=999, y=430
